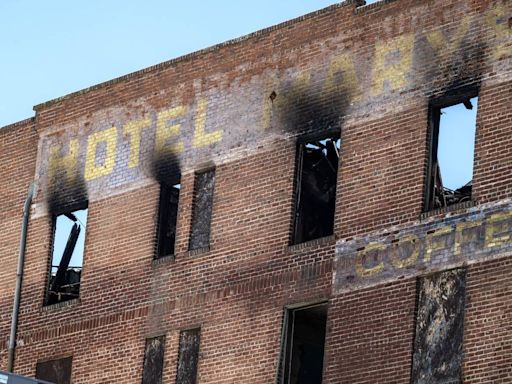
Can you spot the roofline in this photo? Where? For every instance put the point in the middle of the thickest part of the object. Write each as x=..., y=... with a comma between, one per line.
x=197, y=53
x=18, y=123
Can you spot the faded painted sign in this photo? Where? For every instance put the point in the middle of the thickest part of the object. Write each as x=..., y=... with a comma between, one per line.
x=477, y=235
x=119, y=146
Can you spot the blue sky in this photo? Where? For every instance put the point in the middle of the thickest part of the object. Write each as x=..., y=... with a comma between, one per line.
x=456, y=144
x=54, y=47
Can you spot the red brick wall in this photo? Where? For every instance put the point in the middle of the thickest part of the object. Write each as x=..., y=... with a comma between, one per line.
x=493, y=149
x=487, y=341
x=370, y=335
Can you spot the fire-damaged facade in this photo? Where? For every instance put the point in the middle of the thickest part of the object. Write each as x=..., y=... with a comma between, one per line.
x=328, y=200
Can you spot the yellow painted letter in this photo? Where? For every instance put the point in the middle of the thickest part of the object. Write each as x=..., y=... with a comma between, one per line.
x=133, y=130
x=460, y=237
x=498, y=228
x=497, y=19
x=348, y=84
x=441, y=44
x=397, y=261
x=66, y=163
x=164, y=132
x=109, y=137
x=435, y=244
x=393, y=61
x=361, y=270
x=201, y=138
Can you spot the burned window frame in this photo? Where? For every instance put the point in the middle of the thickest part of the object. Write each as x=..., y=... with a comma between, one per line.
x=441, y=360
x=287, y=336
x=434, y=121
x=297, y=237
x=181, y=368
x=149, y=372
x=195, y=230
x=163, y=215
x=68, y=212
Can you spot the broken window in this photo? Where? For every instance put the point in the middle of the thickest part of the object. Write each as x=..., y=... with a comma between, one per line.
x=202, y=209
x=188, y=356
x=55, y=371
x=69, y=230
x=450, y=176
x=302, y=353
x=315, y=196
x=438, y=344
x=153, y=360
x=167, y=219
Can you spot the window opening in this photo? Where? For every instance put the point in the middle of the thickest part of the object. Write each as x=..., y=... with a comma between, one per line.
x=167, y=219
x=188, y=356
x=202, y=210
x=452, y=153
x=303, y=345
x=315, y=196
x=153, y=360
x=55, y=371
x=69, y=231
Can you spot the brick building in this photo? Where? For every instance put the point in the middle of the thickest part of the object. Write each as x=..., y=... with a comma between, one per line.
x=271, y=209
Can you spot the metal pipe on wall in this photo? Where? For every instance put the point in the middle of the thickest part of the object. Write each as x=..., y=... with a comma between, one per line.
x=19, y=278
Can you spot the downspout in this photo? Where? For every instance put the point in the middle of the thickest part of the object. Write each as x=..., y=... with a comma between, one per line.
x=19, y=278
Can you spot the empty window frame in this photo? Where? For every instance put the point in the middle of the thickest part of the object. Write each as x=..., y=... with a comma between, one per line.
x=69, y=230
x=438, y=343
x=153, y=360
x=315, y=195
x=188, y=358
x=452, y=142
x=55, y=371
x=302, y=354
x=167, y=219
x=202, y=209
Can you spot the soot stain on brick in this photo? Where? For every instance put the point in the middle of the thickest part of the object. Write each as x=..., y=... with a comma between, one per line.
x=308, y=109
x=166, y=168
x=438, y=345
x=463, y=69
x=65, y=195
x=468, y=71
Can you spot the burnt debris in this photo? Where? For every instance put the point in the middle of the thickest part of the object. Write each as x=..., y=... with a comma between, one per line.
x=315, y=197
x=67, y=256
